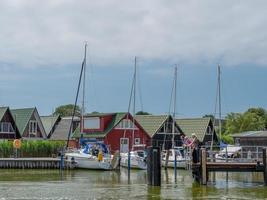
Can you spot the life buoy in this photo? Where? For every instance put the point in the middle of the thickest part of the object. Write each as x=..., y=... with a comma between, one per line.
x=17, y=144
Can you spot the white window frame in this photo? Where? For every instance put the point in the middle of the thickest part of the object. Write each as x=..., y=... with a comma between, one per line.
x=126, y=124
x=9, y=127
x=209, y=131
x=32, y=127
x=137, y=141
x=95, y=119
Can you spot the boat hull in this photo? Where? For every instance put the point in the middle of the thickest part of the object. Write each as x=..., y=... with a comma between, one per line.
x=88, y=162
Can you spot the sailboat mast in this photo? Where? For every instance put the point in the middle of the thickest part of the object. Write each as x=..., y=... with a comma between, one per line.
x=174, y=106
x=134, y=93
x=220, y=108
x=83, y=97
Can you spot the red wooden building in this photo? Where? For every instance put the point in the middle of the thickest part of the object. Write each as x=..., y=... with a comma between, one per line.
x=118, y=130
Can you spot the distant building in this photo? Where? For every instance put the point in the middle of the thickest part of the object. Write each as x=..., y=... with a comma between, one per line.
x=251, y=138
x=160, y=129
x=61, y=127
x=202, y=127
x=29, y=123
x=50, y=124
x=118, y=130
x=8, y=128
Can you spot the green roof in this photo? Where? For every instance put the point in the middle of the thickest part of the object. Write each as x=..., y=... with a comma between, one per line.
x=116, y=118
x=49, y=122
x=2, y=112
x=251, y=134
x=151, y=123
x=195, y=125
x=22, y=117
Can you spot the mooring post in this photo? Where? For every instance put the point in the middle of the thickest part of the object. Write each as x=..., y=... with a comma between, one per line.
x=175, y=166
x=62, y=160
x=129, y=163
x=154, y=166
x=167, y=158
x=264, y=159
x=203, y=166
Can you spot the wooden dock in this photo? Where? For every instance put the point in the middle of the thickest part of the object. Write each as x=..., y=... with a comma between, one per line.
x=33, y=163
x=201, y=169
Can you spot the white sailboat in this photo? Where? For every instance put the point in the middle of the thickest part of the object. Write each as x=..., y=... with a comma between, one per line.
x=136, y=158
x=93, y=155
x=176, y=156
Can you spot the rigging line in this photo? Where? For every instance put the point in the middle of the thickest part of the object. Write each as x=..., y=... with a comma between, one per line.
x=215, y=109
x=174, y=105
x=76, y=99
x=130, y=102
x=170, y=105
x=134, y=93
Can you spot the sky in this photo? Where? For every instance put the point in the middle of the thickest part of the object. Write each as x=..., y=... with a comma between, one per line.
x=42, y=48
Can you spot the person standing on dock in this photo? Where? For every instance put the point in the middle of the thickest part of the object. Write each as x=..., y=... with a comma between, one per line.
x=195, y=145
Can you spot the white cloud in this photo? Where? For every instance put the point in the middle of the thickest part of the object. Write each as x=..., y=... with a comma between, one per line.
x=51, y=33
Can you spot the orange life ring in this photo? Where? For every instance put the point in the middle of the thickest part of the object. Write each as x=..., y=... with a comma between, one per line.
x=16, y=143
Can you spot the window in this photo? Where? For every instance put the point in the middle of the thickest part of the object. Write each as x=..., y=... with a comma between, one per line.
x=6, y=127
x=33, y=128
x=136, y=140
x=237, y=141
x=91, y=123
x=126, y=124
x=209, y=131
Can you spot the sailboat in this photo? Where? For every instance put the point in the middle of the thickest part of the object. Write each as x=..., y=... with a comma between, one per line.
x=136, y=158
x=92, y=155
x=176, y=157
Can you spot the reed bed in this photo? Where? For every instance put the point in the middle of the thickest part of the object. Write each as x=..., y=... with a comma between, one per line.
x=38, y=148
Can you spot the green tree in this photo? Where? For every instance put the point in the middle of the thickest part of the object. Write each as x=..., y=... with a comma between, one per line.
x=142, y=113
x=251, y=120
x=67, y=110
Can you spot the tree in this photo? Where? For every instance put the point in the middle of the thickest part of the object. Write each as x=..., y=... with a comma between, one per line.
x=251, y=120
x=142, y=113
x=67, y=110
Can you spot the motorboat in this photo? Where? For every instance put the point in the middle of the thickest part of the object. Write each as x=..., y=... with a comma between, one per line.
x=92, y=156
x=137, y=158
x=228, y=153
x=181, y=158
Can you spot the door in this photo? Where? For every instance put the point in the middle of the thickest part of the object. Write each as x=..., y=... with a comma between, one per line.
x=124, y=145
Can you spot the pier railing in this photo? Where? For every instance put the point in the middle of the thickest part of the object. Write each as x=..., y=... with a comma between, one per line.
x=204, y=162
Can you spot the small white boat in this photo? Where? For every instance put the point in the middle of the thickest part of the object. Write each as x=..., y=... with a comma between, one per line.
x=228, y=153
x=137, y=159
x=181, y=158
x=93, y=156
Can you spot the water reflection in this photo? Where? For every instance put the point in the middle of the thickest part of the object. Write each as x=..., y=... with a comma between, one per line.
x=86, y=184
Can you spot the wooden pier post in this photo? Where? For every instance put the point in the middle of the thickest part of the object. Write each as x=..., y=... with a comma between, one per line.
x=154, y=166
x=264, y=159
x=203, y=166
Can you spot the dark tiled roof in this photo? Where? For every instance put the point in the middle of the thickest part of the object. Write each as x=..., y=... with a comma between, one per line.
x=2, y=112
x=251, y=134
x=151, y=123
x=22, y=117
x=62, y=130
x=195, y=125
x=49, y=122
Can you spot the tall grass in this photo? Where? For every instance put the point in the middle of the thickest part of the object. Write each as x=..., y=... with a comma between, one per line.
x=38, y=148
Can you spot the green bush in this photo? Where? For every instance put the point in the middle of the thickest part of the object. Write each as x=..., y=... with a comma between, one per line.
x=37, y=148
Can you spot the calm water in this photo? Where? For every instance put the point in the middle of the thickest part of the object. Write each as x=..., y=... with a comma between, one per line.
x=83, y=184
